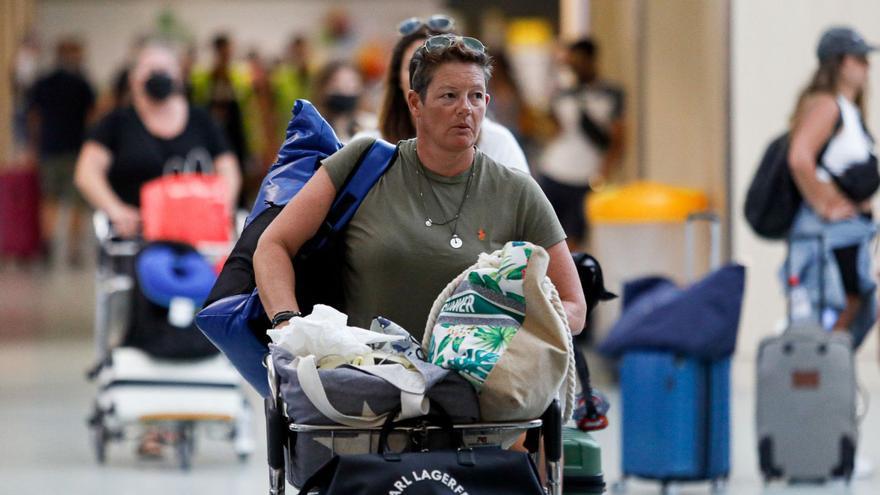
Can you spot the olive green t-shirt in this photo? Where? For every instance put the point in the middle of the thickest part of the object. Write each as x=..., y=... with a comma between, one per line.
x=395, y=265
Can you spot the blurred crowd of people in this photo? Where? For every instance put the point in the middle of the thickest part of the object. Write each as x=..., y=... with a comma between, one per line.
x=249, y=95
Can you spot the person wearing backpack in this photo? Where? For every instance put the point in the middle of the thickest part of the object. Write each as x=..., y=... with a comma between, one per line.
x=831, y=159
x=439, y=205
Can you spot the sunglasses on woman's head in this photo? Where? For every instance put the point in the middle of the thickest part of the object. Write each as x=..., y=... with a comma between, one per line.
x=438, y=23
x=444, y=41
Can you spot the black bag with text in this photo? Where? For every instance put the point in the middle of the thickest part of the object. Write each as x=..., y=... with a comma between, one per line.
x=447, y=471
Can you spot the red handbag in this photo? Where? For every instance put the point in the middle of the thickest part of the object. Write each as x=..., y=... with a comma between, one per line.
x=191, y=207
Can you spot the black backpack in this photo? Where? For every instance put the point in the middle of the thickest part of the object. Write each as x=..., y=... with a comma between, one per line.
x=773, y=198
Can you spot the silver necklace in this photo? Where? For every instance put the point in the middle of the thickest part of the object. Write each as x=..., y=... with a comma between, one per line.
x=454, y=241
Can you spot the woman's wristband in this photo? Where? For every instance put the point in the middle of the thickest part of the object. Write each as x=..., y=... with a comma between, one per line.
x=282, y=316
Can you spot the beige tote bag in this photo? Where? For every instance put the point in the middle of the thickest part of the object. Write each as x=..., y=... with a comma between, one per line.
x=502, y=326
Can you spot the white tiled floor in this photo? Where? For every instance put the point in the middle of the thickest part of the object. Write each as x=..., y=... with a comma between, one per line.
x=45, y=348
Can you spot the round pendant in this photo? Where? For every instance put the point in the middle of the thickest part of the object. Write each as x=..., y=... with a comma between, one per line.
x=428, y=222
x=455, y=242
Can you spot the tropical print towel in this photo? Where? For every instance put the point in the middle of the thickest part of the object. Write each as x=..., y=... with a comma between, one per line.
x=478, y=321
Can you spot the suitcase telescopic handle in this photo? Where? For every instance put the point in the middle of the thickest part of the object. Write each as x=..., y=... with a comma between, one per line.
x=690, y=240
x=820, y=240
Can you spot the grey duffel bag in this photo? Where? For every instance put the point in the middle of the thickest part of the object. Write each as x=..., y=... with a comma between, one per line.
x=359, y=397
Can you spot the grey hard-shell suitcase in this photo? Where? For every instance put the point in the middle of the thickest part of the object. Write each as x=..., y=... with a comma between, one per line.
x=806, y=403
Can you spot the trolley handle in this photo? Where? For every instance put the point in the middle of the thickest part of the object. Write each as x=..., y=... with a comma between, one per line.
x=690, y=240
x=820, y=240
x=552, y=428
x=276, y=432
x=109, y=243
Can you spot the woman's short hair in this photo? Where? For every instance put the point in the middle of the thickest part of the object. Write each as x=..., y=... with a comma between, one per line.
x=425, y=62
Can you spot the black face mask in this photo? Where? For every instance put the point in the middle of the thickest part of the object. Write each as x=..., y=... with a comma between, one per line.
x=337, y=103
x=159, y=86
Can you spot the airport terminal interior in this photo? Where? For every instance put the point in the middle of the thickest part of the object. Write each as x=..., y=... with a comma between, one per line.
x=653, y=161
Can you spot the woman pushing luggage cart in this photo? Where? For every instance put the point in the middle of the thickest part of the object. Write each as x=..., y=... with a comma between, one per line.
x=440, y=204
x=125, y=151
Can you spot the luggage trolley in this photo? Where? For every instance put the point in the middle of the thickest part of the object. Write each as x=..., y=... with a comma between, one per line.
x=281, y=432
x=135, y=390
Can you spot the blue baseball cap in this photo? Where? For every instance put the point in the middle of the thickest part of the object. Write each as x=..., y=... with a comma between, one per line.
x=842, y=40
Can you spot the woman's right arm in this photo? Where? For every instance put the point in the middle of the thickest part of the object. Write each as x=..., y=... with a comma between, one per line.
x=297, y=223
x=91, y=180
x=813, y=129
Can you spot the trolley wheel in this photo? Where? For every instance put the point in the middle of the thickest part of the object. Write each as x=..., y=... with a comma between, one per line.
x=243, y=457
x=667, y=488
x=100, y=437
x=185, y=445
x=619, y=487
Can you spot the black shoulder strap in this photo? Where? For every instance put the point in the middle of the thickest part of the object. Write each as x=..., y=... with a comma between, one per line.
x=837, y=126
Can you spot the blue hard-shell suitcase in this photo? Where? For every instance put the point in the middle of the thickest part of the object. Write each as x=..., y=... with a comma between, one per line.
x=676, y=417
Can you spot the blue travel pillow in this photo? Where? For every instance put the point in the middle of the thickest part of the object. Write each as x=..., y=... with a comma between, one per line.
x=166, y=271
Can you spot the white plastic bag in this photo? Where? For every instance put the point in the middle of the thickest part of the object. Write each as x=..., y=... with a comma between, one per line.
x=325, y=333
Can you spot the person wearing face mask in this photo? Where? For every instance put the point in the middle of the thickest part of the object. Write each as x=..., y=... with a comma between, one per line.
x=131, y=146
x=58, y=108
x=337, y=92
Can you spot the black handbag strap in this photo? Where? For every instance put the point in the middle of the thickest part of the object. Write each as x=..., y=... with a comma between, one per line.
x=321, y=477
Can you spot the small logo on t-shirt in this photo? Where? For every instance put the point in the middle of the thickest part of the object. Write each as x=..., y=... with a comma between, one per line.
x=481, y=234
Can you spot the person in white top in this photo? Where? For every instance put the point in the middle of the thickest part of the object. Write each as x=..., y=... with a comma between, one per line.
x=395, y=121
x=589, y=142
x=831, y=155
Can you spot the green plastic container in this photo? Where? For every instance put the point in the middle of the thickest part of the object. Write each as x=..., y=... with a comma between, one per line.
x=582, y=470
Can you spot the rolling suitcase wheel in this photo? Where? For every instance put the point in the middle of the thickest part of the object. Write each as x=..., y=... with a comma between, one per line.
x=186, y=443
x=719, y=486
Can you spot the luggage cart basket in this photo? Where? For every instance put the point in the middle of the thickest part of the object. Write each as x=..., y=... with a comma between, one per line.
x=281, y=432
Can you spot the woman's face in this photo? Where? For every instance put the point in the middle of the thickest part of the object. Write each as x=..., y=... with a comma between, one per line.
x=404, y=65
x=345, y=81
x=454, y=106
x=152, y=60
x=854, y=70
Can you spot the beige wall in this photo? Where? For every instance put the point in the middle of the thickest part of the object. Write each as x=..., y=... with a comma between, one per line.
x=684, y=78
x=671, y=58
x=614, y=24
x=773, y=47
x=15, y=16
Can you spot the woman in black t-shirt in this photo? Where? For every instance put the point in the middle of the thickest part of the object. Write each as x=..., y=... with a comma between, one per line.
x=131, y=146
